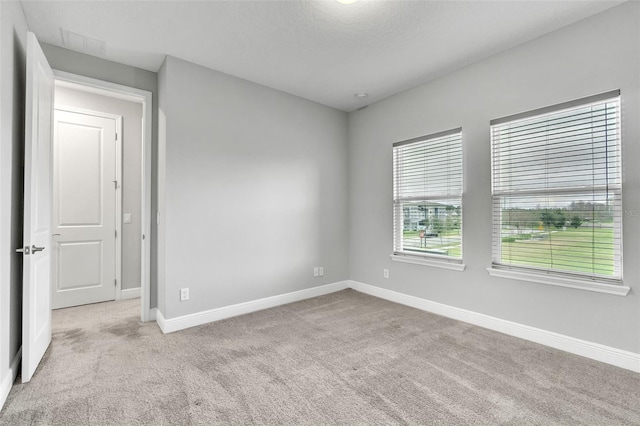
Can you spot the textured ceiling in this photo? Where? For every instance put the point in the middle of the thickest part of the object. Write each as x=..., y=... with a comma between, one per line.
x=320, y=50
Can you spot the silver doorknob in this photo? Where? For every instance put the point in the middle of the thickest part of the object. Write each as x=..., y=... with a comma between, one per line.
x=35, y=249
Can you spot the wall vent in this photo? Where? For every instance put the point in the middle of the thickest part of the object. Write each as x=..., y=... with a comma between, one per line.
x=81, y=43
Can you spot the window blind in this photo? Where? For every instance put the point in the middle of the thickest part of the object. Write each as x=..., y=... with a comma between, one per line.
x=427, y=195
x=557, y=189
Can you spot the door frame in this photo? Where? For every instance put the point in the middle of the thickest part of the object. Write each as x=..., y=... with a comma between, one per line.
x=143, y=97
x=118, y=202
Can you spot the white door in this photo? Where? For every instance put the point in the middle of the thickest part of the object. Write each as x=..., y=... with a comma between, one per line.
x=36, y=312
x=84, y=208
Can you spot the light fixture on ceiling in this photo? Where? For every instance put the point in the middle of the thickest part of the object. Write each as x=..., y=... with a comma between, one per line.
x=361, y=96
x=346, y=1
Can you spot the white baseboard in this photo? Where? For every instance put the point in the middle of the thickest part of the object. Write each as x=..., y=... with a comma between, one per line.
x=7, y=382
x=153, y=314
x=130, y=293
x=180, y=323
x=596, y=351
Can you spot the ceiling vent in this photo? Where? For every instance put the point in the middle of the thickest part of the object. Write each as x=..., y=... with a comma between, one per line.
x=84, y=44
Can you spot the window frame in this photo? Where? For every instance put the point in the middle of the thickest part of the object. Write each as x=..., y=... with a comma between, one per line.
x=419, y=257
x=545, y=275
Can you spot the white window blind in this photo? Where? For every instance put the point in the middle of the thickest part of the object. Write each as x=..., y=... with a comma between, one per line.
x=557, y=189
x=427, y=196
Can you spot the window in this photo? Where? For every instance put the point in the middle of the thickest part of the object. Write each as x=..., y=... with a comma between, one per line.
x=557, y=193
x=427, y=196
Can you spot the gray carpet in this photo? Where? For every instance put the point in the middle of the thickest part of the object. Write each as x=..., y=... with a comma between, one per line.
x=344, y=358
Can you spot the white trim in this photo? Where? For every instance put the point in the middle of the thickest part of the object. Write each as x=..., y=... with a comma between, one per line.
x=99, y=87
x=180, y=323
x=596, y=351
x=9, y=380
x=91, y=112
x=118, y=223
x=428, y=262
x=145, y=98
x=146, y=218
x=618, y=290
x=130, y=293
x=153, y=314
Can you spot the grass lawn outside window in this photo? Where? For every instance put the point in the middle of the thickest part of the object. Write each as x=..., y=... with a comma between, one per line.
x=585, y=250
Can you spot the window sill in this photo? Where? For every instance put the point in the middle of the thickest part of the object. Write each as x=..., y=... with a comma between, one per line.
x=429, y=262
x=618, y=290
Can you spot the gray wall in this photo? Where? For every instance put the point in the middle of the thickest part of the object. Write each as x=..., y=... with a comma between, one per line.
x=90, y=66
x=131, y=113
x=255, y=186
x=592, y=56
x=13, y=46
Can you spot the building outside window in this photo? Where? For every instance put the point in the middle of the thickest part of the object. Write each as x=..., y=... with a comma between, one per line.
x=427, y=200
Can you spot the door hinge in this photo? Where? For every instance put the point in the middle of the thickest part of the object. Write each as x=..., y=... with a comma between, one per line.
x=116, y=232
x=116, y=136
x=115, y=282
x=115, y=184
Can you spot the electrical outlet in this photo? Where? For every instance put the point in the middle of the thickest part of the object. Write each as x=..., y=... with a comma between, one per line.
x=385, y=273
x=316, y=272
x=184, y=294
x=321, y=271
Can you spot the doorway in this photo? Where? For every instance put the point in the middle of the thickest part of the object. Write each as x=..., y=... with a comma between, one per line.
x=103, y=252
